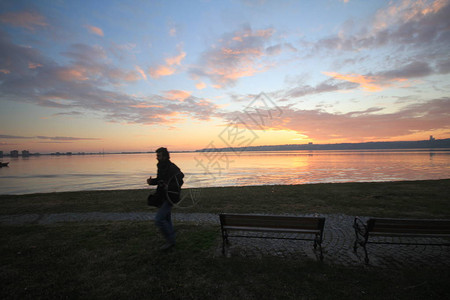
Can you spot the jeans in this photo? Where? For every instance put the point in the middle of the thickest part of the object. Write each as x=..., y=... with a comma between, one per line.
x=163, y=221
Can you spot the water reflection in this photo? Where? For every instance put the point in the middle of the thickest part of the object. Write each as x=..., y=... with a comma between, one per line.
x=95, y=172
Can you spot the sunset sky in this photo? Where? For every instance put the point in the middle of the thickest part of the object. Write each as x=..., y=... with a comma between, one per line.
x=90, y=76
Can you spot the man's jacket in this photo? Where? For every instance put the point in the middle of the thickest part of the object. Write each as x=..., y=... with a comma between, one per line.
x=169, y=180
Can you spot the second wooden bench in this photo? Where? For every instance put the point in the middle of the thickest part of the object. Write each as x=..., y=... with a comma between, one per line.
x=400, y=228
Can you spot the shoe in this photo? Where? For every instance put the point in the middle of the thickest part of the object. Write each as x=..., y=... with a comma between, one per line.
x=167, y=246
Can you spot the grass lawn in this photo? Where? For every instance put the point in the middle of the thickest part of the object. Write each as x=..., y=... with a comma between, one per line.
x=121, y=260
x=417, y=199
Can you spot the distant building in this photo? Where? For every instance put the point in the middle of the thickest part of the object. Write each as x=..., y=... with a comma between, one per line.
x=14, y=153
x=25, y=153
x=1, y=153
x=432, y=139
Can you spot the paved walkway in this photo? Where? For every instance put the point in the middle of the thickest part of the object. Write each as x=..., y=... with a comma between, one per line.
x=337, y=242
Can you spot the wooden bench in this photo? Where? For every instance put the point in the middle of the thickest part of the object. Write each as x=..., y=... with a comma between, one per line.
x=410, y=228
x=233, y=225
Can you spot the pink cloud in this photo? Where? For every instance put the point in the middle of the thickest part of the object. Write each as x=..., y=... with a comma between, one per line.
x=200, y=85
x=368, y=83
x=25, y=19
x=143, y=105
x=72, y=74
x=405, y=11
x=34, y=65
x=95, y=30
x=238, y=54
x=177, y=95
x=169, y=68
x=87, y=83
x=140, y=71
x=369, y=125
x=176, y=60
x=381, y=80
x=161, y=71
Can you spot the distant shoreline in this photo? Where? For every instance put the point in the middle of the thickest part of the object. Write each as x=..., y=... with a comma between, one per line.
x=430, y=144
x=423, y=145
x=227, y=150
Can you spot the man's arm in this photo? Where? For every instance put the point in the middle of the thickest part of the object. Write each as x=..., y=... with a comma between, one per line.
x=152, y=181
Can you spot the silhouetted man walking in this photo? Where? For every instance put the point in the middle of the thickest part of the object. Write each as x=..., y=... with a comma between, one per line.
x=169, y=180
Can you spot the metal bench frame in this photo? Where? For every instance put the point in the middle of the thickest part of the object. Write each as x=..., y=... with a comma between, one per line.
x=411, y=228
x=272, y=223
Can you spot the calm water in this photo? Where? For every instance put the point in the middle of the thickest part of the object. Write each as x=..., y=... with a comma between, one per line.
x=130, y=171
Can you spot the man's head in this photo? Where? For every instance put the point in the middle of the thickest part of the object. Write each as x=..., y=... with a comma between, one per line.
x=162, y=154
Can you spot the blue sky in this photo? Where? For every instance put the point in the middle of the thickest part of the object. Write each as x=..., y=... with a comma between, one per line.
x=136, y=75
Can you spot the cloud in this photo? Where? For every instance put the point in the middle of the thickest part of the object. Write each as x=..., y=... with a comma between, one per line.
x=86, y=53
x=140, y=71
x=444, y=66
x=237, y=54
x=379, y=81
x=371, y=124
x=6, y=136
x=273, y=50
x=25, y=19
x=169, y=68
x=412, y=70
x=95, y=30
x=53, y=138
x=87, y=84
x=91, y=63
x=69, y=74
x=66, y=138
x=32, y=65
x=176, y=60
x=406, y=11
x=422, y=25
x=330, y=85
x=177, y=95
x=71, y=113
x=200, y=85
x=160, y=71
x=173, y=28
x=366, y=82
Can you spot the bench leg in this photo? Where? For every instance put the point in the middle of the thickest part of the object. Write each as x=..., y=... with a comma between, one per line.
x=224, y=241
x=321, y=253
x=318, y=241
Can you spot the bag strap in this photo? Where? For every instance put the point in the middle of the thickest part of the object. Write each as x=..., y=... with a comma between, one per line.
x=172, y=192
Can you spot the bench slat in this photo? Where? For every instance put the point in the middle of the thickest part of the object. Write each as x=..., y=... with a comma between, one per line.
x=411, y=230
x=270, y=221
x=271, y=229
x=405, y=234
x=408, y=226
